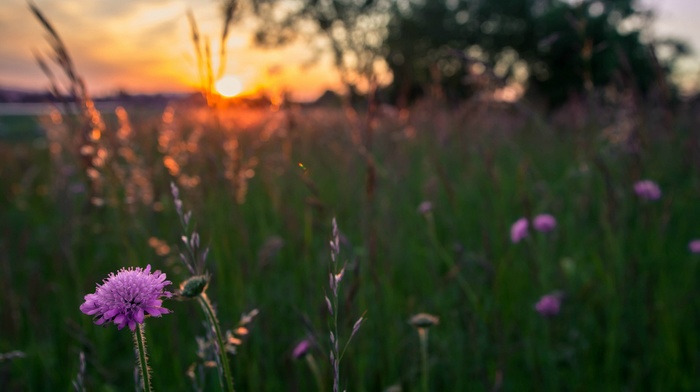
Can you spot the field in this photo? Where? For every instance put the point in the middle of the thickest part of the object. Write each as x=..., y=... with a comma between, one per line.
x=264, y=186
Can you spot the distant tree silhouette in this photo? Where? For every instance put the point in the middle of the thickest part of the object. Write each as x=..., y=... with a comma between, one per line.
x=561, y=48
x=557, y=48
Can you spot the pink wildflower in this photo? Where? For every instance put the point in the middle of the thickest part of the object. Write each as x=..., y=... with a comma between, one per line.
x=544, y=223
x=126, y=297
x=549, y=305
x=518, y=230
x=694, y=246
x=647, y=190
x=301, y=349
x=425, y=207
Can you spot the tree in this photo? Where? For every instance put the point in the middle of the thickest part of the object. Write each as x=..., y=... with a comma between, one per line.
x=354, y=30
x=564, y=48
x=558, y=48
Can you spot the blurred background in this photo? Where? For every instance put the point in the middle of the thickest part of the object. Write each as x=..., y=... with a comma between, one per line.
x=307, y=47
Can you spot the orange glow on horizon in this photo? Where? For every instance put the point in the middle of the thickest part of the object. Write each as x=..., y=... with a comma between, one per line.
x=147, y=49
x=229, y=86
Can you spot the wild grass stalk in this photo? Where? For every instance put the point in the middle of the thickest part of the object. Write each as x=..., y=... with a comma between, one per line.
x=205, y=73
x=76, y=86
x=79, y=381
x=203, y=52
x=86, y=141
x=335, y=277
x=195, y=287
x=229, y=11
x=210, y=313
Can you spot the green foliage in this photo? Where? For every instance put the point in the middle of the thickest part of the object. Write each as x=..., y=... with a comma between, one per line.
x=568, y=48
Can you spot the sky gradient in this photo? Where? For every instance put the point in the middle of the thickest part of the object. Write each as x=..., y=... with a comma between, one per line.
x=145, y=46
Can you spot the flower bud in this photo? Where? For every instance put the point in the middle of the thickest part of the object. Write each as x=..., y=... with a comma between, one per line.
x=424, y=320
x=194, y=286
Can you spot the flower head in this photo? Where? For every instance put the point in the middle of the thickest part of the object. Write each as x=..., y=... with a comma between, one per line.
x=544, y=223
x=694, y=246
x=519, y=230
x=549, y=305
x=126, y=297
x=647, y=189
x=425, y=207
x=301, y=349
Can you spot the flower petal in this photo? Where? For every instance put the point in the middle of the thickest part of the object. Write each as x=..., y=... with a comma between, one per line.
x=139, y=316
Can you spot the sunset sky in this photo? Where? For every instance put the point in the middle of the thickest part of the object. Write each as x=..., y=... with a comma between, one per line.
x=145, y=46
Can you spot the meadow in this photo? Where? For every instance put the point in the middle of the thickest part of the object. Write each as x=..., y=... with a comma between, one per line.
x=424, y=198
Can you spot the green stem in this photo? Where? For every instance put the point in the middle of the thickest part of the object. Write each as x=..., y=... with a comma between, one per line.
x=450, y=263
x=211, y=316
x=315, y=371
x=423, y=335
x=336, y=361
x=139, y=336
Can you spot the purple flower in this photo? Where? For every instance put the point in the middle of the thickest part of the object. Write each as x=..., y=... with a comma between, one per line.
x=647, y=189
x=544, y=223
x=301, y=349
x=126, y=297
x=425, y=207
x=694, y=246
x=519, y=230
x=549, y=305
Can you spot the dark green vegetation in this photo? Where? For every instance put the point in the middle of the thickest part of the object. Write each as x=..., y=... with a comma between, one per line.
x=629, y=319
x=19, y=128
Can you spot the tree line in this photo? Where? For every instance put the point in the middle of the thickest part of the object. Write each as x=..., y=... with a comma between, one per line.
x=556, y=49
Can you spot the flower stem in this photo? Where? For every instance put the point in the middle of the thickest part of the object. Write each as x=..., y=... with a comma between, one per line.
x=423, y=335
x=139, y=336
x=211, y=316
x=315, y=371
x=450, y=263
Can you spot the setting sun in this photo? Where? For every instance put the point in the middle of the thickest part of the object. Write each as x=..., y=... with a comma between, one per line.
x=229, y=86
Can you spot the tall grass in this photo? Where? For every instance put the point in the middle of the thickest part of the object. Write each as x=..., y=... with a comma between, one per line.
x=627, y=320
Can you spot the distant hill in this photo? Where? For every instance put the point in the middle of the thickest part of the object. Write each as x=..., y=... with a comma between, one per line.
x=20, y=95
x=15, y=95
x=328, y=98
